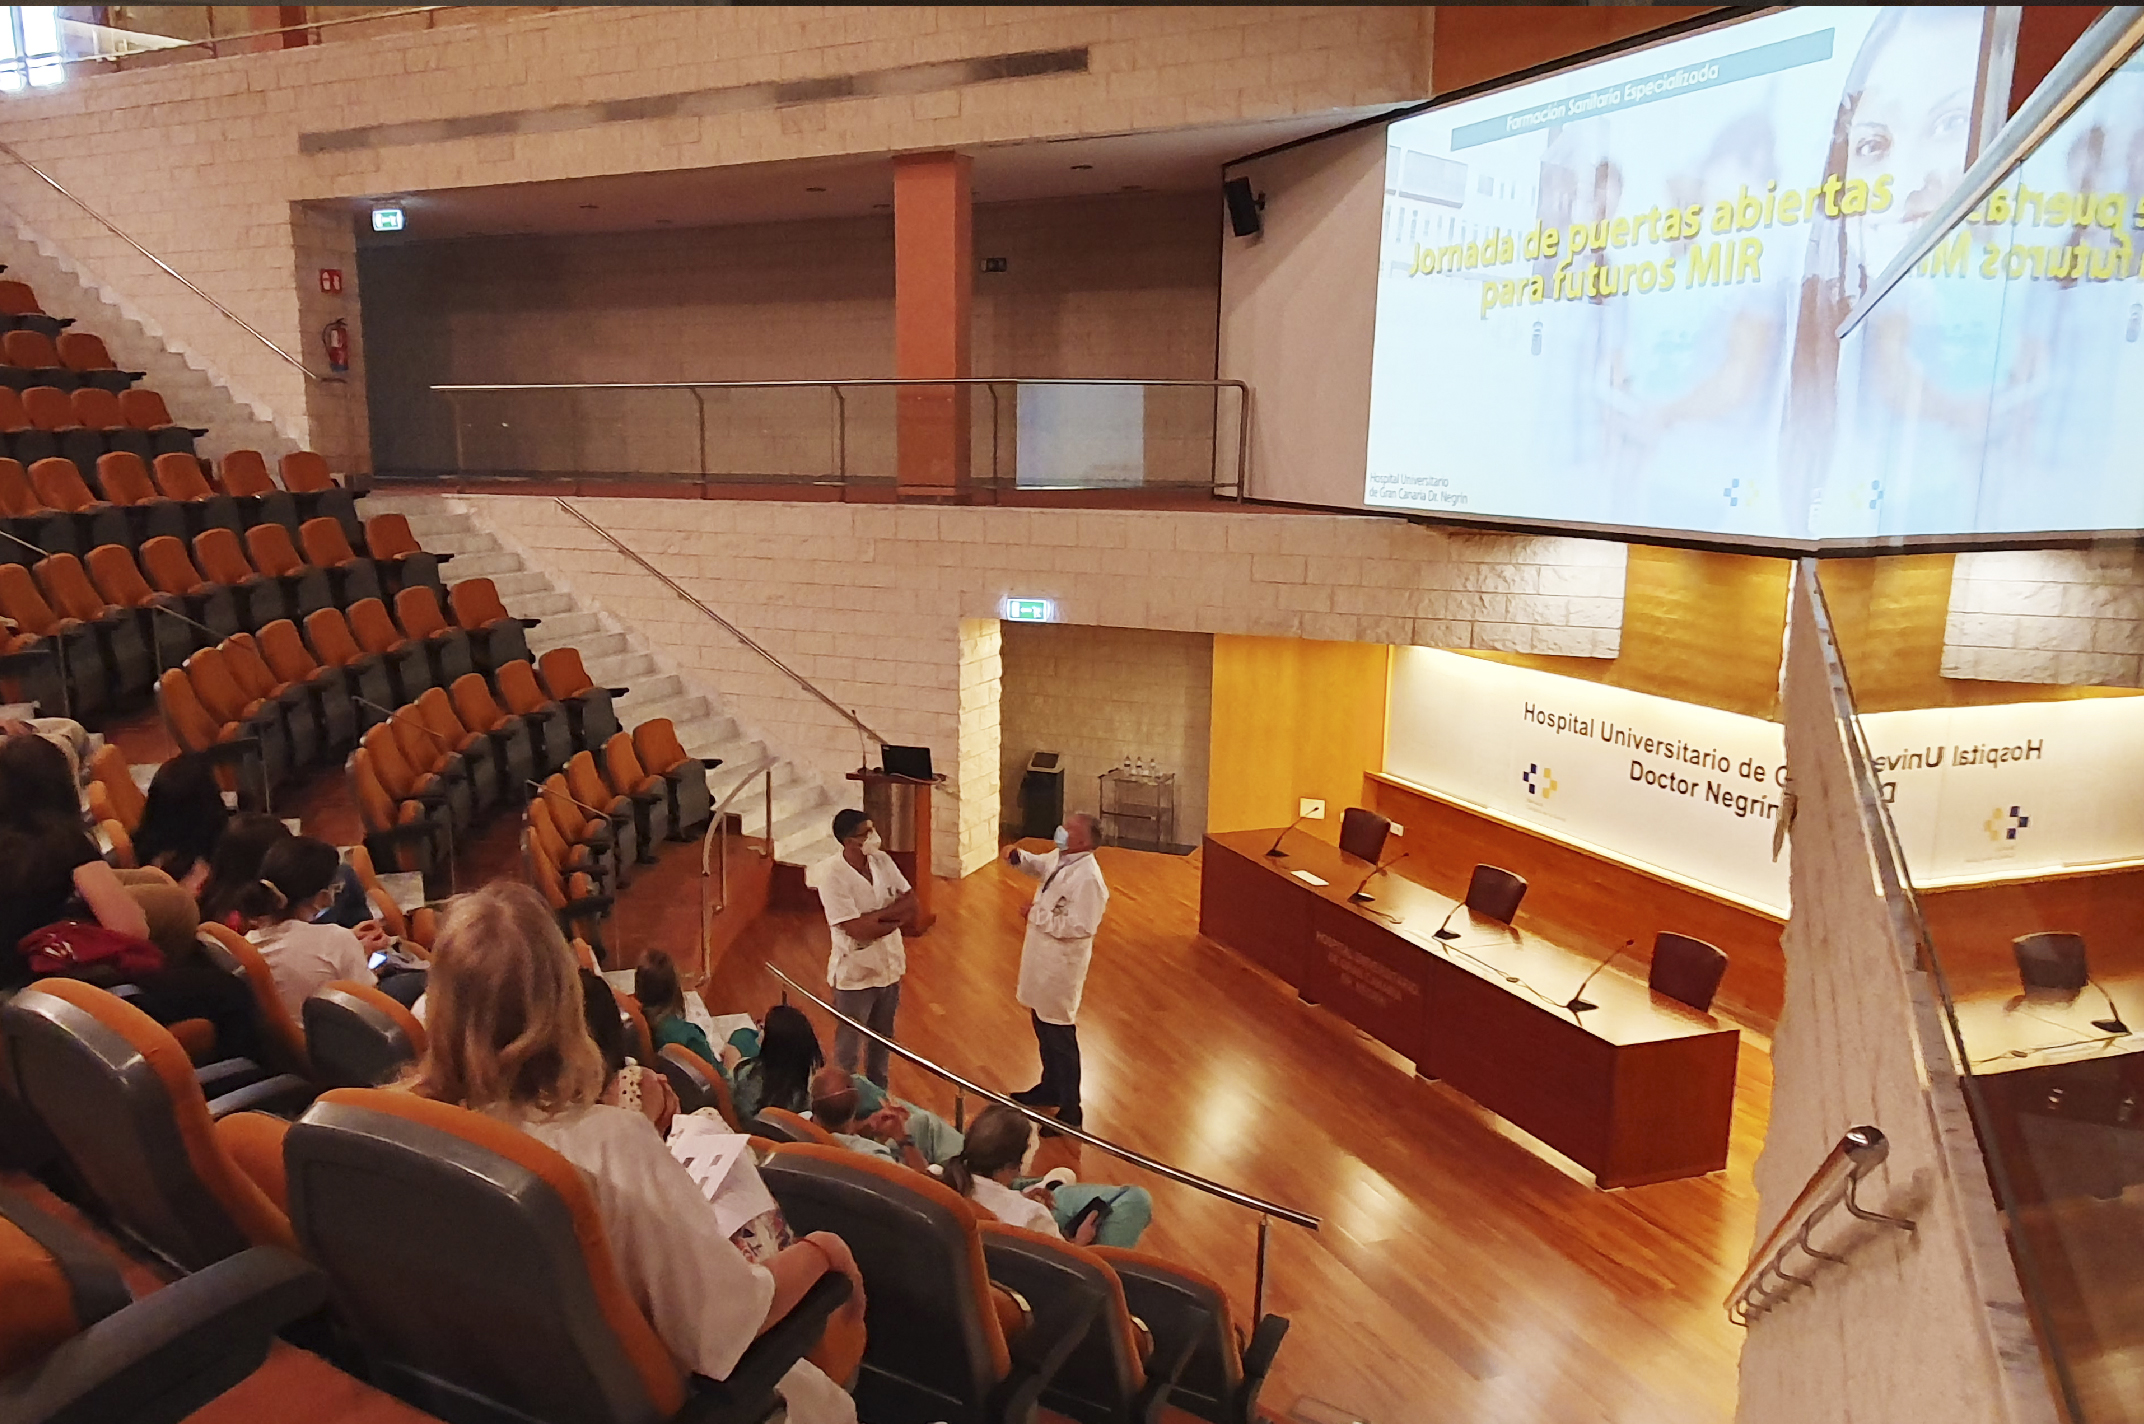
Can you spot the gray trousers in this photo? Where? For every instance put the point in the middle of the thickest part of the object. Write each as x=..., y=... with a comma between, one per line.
x=876, y=1008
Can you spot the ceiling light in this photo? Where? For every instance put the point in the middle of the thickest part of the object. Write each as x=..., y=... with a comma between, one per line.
x=815, y=190
x=1081, y=167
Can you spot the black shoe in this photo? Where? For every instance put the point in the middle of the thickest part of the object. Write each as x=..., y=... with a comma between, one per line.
x=1033, y=1097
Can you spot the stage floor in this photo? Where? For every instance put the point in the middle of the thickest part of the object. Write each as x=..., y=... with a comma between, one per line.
x=1462, y=1271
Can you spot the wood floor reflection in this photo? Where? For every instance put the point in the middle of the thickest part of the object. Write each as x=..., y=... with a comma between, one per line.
x=1460, y=1273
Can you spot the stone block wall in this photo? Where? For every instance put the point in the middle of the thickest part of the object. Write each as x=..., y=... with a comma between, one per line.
x=2048, y=616
x=892, y=610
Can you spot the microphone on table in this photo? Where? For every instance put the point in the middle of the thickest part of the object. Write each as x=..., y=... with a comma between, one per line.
x=1276, y=850
x=1443, y=931
x=1579, y=1003
x=2112, y=1023
x=1361, y=896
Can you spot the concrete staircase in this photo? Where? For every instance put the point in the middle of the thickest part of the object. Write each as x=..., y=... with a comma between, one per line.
x=195, y=395
x=803, y=805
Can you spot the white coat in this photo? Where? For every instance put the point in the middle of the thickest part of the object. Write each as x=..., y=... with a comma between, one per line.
x=1060, y=931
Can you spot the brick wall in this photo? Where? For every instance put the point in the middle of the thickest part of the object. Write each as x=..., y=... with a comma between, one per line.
x=2047, y=616
x=200, y=162
x=874, y=602
x=1099, y=695
x=1123, y=286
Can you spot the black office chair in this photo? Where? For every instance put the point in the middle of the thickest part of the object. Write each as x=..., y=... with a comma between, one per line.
x=91, y=1355
x=489, y=1295
x=1363, y=832
x=1495, y=893
x=2051, y=959
x=1686, y=969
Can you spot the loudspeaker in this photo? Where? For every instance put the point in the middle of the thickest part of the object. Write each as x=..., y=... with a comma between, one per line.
x=1243, y=207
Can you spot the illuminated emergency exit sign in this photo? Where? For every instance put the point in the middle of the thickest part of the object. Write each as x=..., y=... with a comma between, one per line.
x=1027, y=610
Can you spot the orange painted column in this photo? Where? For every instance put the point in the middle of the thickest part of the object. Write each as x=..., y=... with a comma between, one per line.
x=933, y=292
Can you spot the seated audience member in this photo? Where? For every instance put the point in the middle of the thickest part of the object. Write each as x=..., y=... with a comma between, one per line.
x=296, y=882
x=182, y=819
x=662, y=1000
x=509, y=1036
x=863, y=1118
x=626, y=1084
x=235, y=865
x=68, y=735
x=778, y=1073
x=50, y=872
x=992, y=1166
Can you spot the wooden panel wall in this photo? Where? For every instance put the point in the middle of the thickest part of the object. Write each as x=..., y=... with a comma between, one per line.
x=1585, y=901
x=1972, y=926
x=1292, y=717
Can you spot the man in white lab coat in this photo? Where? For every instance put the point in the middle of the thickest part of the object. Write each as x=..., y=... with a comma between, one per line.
x=1061, y=924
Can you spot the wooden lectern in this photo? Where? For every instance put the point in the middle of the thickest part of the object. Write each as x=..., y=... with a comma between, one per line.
x=900, y=807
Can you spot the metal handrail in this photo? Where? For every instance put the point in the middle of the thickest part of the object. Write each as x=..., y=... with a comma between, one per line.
x=212, y=42
x=1834, y=1183
x=836, y=387
x=1266, y=1210
x=718, y=827
x=731, y=628
x=8, y=150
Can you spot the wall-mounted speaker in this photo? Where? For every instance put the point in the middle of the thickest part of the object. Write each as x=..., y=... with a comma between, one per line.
x=1243, y=206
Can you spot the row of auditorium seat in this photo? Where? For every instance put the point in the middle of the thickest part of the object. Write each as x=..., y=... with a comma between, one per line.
x=966, y=1319
x=45, y=421
x=51, y=508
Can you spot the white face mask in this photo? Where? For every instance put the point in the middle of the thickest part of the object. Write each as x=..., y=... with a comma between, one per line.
x=1063, y=835
x=871, y=841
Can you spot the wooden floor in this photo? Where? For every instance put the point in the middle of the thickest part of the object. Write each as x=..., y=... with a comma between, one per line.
x=1460, y=1274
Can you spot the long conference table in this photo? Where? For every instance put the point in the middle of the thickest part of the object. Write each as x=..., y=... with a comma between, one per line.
x=1639, y=1089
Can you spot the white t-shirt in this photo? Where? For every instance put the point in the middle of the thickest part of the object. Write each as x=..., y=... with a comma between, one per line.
x=704, y=1299
x=306, y=958
x=847, y=895
x=1013, y=1208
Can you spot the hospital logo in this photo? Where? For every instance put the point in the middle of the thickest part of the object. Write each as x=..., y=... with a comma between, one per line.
x=2002, y=826
x=1540, y=781
x=1739, y=492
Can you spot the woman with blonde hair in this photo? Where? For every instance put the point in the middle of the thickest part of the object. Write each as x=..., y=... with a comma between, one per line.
x=508, y=1036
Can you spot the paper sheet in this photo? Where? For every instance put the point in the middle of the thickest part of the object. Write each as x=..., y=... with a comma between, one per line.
x=1308, y=879
x=720, y=1161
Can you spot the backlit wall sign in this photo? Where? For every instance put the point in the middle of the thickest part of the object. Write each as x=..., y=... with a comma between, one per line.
x=387, y=220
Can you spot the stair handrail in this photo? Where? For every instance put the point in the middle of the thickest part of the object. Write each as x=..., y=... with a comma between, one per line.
x=1832, y=1185
x=728, y=627
x=715, y=862
x=8, y=151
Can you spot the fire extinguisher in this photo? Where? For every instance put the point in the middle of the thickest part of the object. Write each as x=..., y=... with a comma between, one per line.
x=335, y=336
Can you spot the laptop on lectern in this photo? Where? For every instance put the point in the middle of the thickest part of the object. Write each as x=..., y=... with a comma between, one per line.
x=911, y=762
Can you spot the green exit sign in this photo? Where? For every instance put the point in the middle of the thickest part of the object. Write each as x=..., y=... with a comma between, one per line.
x=1027, y=610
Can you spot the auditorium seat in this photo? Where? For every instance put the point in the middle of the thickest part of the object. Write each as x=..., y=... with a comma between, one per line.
x=327, y=687
x=59, y=485
x=937, y=1350
x=234, y=745
x=1686, y=969
x=418, y=614
x=568, y=857
x=575, y=898
x=588, y=707
x=52, y=415
x=326, y=547
x=1188, y=1314
x=1112, y=1373
x=785, y=1126
x=401, y=833
x=191, y=1183
x=85, y=354
x=172, y=573
x=497, y=635
x=32, y=361
x=129, y=661
x=357, y=1037
x=594, y=794
x=551, y=735
x=401, y=560
x=301, y=717
x=24, y=440
x=118, y=581
x=222, y=560
x=306, y=476
x=48, y=529
x=77, y=1348
x=639, y=1042
x=79, y=681
x=243, y=475
x=414, y=928
x=412, y=767
x=511, y=737
x=491, y=1292
x=698, y=1083
x=479, y=759
x=112, y=795
x=656, y=742
x=97, y=412
x=145, y=411
x=281, y=1033
x=125, y=482
x=366, y=675
x=239, y=716
x=306, y=590
x=586, y=826
x=408, y=661
x=650, y=794
x=180, y=478
x=19, y=311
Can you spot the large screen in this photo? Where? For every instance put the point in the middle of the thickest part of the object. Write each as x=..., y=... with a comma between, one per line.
x=1608, y=298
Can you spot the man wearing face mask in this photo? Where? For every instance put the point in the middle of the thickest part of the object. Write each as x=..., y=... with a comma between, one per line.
x=1061, y=924
x=867, y=900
